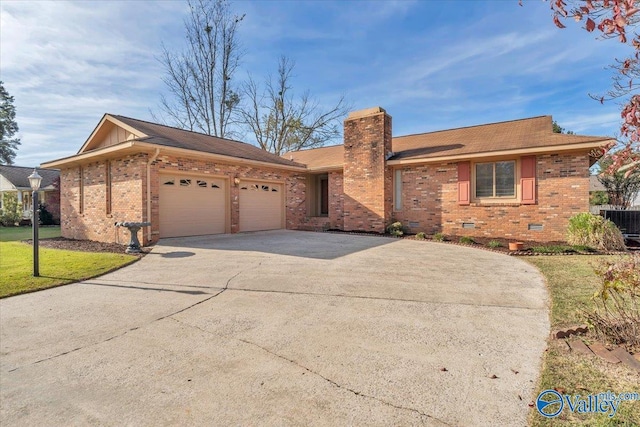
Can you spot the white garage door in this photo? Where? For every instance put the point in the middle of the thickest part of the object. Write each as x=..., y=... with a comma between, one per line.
x=192, y=205
x=261, y=206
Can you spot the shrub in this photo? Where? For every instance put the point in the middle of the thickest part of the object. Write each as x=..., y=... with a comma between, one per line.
x=421, y=236
x=395, y=229
x=439, y=237
x=467, y=240
x=10, y=214
x=616, y=314
x=586, y=229
x=494, y=244
x=46, y=217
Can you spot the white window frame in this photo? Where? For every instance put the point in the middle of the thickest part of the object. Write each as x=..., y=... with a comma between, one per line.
x=497, y=199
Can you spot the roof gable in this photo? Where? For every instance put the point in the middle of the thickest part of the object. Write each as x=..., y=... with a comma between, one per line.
x=114, y=130
x=110, y=131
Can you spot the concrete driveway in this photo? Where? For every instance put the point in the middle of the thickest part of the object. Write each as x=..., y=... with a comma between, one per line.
x=280, y=328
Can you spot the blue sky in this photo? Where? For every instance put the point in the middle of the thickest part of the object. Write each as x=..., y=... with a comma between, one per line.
x=431, y=64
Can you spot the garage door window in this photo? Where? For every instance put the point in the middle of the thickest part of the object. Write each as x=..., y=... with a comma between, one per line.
x=257, y=187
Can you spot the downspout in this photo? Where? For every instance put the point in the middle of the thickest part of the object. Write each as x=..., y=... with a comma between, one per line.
x=151, y=160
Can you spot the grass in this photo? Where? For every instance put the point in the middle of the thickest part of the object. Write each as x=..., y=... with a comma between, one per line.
x=8, y=234
x=57, y=267
x=571, y=282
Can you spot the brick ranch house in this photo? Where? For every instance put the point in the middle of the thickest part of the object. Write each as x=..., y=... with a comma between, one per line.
x=514, y=179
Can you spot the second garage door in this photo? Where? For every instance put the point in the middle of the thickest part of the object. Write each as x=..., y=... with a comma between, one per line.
x=261, y=206
x=192, y=205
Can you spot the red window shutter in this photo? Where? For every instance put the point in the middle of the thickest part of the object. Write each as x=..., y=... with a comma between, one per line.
x=464, y=183
x=528, y=180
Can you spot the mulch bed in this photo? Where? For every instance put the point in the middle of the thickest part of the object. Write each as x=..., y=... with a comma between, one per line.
x=482, y=243
x=83, y=245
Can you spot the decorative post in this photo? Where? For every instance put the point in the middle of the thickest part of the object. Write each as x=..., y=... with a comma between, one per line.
x=34, y=181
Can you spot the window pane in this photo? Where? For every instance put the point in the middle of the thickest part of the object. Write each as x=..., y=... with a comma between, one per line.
x=484, y=180
x=398, y=190
x=505, y=179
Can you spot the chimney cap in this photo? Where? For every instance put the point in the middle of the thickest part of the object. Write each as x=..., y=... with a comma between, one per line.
x=366, y=112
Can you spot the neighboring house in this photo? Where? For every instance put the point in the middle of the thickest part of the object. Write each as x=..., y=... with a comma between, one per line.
x=513, y=179
x=15, y=179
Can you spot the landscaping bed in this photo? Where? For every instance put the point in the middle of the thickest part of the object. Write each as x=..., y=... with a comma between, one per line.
x=530, y=248
x=83, y=245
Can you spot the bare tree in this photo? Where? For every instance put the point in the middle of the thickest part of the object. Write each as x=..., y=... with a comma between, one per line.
x=281, y=123
x=203, y=96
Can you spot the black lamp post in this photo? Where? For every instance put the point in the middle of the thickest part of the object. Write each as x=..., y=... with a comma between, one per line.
x=34, y=182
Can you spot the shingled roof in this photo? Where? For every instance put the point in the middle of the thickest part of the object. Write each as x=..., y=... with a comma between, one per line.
x=534, y=132
x=531, y=133
x=19, y=176
x=180, y=138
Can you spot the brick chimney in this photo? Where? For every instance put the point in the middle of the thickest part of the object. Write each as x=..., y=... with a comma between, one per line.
x=368, y=186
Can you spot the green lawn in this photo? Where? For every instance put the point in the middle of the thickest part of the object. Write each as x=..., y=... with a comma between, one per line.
x=8, y=234
x=571, y=282
x=57, y=267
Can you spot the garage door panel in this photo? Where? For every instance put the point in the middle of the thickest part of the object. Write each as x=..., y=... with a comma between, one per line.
x=261, y=206
x=192, y=206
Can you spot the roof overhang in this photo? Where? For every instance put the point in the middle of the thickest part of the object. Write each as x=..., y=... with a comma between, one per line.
x=516, y=152
x=134, y=147
x=320, y=169
x=47, y=188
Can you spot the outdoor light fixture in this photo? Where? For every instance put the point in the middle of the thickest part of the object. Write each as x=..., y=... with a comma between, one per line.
x=34, y=181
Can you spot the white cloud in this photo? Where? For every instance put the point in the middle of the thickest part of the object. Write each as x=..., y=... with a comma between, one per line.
x=70, y=62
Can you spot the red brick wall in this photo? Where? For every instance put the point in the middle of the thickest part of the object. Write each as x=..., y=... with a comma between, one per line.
x=295, y=186
x=430, y=199
x=336, y=200
x=367, y=181
x=92, y=222
x=129, y=195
